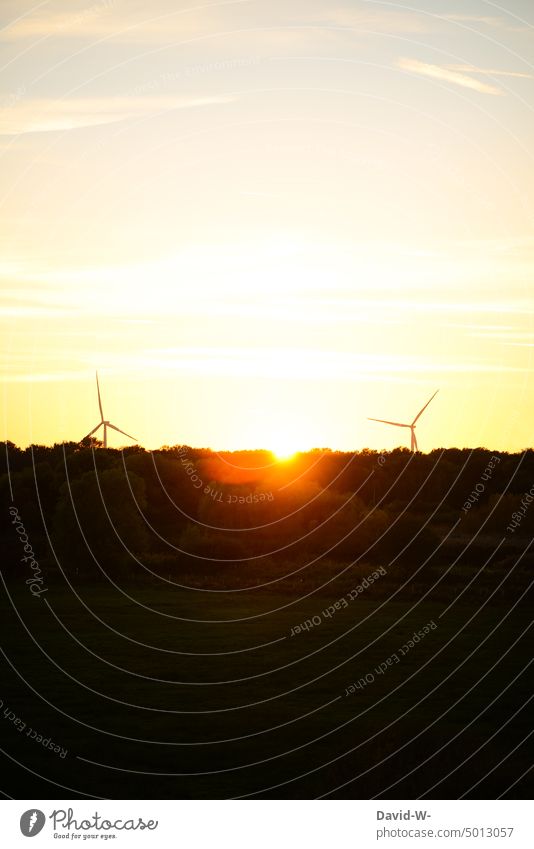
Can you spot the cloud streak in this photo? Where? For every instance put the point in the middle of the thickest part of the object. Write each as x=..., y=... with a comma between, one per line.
x=125, y=22
x=489, y=72
x=94, y=20
x=490, y=21
x=44, y=115
x=445, y=74
x=375, y=20
x=485, y=20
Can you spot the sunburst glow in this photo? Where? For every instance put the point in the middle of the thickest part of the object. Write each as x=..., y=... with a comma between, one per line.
x=283, y=454
x=284, y=444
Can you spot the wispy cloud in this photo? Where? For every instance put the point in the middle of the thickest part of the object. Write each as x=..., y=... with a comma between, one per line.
x=117, y=19
x=489, y=72
x=486, y=20
x=93, y=21
x=509, y=337
x=293, y=363
x=44, y=377
x=47, y=115
x=122, y=20
x=30, y=312
x=511, y=24
x=444, y=73
x=376, y=20
x=478, y=327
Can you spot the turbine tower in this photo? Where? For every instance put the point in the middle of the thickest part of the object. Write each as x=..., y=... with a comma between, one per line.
x=104, y=422
x=413, y=446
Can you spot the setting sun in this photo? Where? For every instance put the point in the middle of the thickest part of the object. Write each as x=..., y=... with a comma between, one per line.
x=284, y=453
x=285, y=444
x=284, y=448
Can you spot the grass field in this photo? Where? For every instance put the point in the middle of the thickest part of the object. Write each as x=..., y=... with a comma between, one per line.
x=180, y=694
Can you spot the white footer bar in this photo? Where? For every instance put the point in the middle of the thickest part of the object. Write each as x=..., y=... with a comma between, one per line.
x=268, y=824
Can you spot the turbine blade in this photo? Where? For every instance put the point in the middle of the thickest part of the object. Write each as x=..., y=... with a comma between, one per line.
x=99, y=398
x=93, y=431
x=397, y=424
x=123, y=432
x=420, y=413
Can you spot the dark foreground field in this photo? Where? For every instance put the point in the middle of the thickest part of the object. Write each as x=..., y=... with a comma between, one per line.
x=210, y=697
x=182, y=624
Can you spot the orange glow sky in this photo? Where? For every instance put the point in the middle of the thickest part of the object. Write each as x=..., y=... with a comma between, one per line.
x=263, y=222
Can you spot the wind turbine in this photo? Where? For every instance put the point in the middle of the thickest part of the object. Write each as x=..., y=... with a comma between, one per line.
x=103, y=422
x=413, y=446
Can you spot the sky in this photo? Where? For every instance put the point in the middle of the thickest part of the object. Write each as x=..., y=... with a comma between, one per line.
x=264, y=221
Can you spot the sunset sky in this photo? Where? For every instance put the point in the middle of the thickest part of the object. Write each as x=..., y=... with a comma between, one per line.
x=263, y=221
